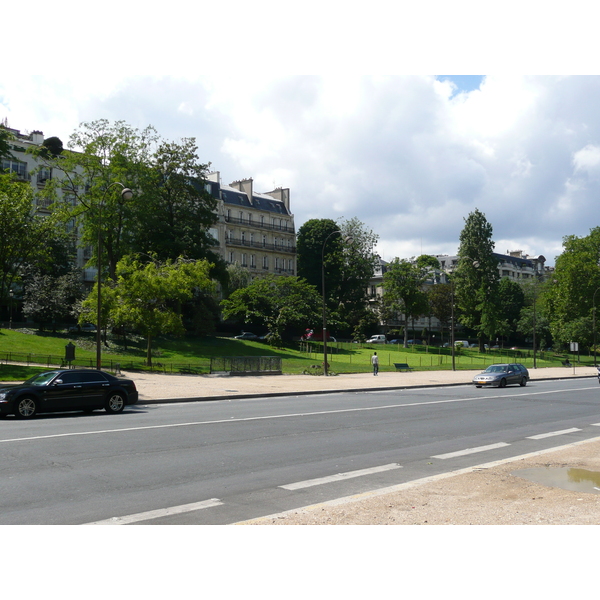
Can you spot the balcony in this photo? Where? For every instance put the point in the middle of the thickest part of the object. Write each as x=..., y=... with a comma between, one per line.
x=260, y=245
x=258, y=224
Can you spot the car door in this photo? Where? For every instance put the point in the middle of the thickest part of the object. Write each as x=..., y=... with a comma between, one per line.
x=514, y=374
x=78, y=389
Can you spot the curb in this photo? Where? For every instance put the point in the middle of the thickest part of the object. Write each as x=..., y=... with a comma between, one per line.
x=247, y=396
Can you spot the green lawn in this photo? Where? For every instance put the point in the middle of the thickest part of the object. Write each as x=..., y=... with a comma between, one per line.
x=38, y=350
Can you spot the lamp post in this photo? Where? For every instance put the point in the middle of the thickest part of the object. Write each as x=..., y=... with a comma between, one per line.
x=126, y=194
x=348, y=240
x=11, y=293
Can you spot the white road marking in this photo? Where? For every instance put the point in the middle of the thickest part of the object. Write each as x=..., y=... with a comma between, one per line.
x=155, y=514
x=552, y=433
x=339, y=476
x=471, y=450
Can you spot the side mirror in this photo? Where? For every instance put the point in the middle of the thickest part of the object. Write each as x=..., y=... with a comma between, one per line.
x=57, y=381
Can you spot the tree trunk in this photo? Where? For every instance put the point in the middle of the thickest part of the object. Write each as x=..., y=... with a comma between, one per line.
x=149, y=351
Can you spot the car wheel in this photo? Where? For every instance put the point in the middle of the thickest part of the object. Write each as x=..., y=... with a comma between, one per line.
x=503, y=383
x=115, y=403
x=524, y=382
x=26, y=408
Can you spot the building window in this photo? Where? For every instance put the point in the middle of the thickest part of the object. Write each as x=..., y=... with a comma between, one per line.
x=265, y=262
x=232, y=257
x=253, y=261
x=244, y=260
x=15, y=166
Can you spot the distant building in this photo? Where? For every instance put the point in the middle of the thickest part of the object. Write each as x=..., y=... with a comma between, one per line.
x=254, y=230
x=514, y=265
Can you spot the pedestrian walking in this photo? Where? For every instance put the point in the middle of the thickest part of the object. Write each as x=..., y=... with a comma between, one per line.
x=375, y=363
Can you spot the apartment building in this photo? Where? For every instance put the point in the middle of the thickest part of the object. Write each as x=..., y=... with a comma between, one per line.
x=254, y=230
x=514, y=265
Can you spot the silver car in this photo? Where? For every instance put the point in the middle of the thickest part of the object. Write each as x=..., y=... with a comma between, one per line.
x=502, y=375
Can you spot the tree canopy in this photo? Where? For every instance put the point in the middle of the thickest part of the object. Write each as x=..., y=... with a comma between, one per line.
x=403, y=286
x=476, y=277
x=274, y=302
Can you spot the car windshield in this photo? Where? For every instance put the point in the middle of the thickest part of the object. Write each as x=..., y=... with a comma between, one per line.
x=41, y=378
x=496, y=369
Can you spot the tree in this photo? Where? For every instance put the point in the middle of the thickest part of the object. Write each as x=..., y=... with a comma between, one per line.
x=358, y=267
x=476, y=277
x=348, y=267
x=99, y=155
x=511, y=299
x=5, y=137
x=147, y=295
x=318, y=245
x=440, y=304
x=175, y=212
x=25, y=237
x=276, y=303
x=48, y=299
x=403, y=286
x=571, y=295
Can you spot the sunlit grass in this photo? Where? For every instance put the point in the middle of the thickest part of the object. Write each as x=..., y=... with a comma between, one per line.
x=177, y=354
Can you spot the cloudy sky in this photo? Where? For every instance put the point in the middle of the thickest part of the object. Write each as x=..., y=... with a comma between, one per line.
x=404, y=149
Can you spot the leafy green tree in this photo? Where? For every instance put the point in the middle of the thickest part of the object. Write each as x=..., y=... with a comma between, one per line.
x=571, y=295
x=319, y=244
x=49, y=299
x=147, y=296
x=439, y=297
x=25, y=237
x=403, y=286
x=99, y=155
x=5, y=137
x=476, y=278
x=276, y=303
x=358, y=266
x=511, y=299
x=175, y=212
x=345, y=252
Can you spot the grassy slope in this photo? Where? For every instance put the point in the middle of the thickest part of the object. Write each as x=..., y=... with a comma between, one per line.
x=173, y=355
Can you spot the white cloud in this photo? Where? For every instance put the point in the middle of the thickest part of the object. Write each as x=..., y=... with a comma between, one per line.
x=404, y=154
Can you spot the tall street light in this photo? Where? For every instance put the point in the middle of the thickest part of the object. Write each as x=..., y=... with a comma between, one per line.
x=348, y=240
x=126, y=194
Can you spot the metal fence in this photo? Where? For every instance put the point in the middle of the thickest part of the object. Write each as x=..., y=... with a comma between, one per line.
x=246, y=365
x=108, y=364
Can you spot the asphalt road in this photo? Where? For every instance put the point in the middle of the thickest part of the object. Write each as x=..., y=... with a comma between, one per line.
x=227, y=461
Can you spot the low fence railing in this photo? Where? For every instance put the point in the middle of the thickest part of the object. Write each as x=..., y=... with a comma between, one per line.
x=240, y=365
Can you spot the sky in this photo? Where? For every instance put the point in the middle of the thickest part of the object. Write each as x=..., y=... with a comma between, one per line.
x=343, y=106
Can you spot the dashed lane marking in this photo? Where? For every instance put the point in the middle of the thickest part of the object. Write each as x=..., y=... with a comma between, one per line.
x=156, y=514
x=541, y=436
x=339, y=476
x=471, y=450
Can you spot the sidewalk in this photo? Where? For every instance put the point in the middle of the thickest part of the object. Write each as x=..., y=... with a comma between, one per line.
x=154, y=387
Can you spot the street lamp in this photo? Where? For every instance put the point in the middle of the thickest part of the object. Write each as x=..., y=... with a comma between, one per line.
x=348, y=240
x=10, y=292
x=126, y=194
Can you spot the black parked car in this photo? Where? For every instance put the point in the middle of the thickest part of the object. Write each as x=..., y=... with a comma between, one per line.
x=68, y=389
